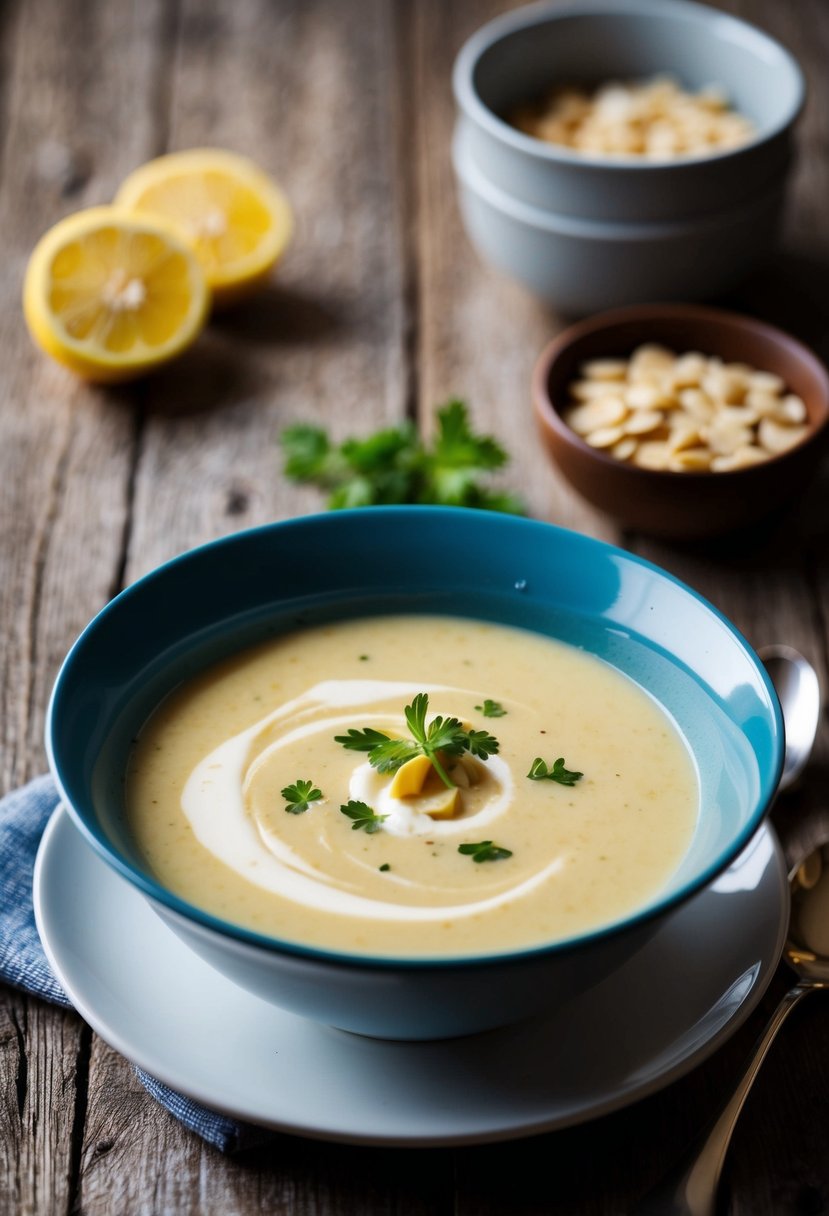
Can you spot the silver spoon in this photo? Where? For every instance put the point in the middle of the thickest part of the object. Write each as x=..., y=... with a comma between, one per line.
x=798, y=688
x=690, y=1189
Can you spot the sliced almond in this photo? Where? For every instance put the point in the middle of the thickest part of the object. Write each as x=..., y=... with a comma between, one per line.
x=777, y=438
x=793, y=408
x=697, y=403
x=740, y=415
x=690, y=460
x=605, y=436
x=743, y=458
x=766, y=382
x=764, y=403
x=624, y=449
x=605, y=411
x=688, y=370
x=605, y=369
x=652, y=455
x=685, y=435
x=725, y=437
x=646, y=396
x=587, y=390
x=642, y=421
x=723, y=385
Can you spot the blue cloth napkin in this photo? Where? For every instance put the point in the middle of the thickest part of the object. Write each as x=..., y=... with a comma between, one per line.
x=23, y=817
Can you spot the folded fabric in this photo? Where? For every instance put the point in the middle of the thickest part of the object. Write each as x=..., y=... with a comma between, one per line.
x=23, y=817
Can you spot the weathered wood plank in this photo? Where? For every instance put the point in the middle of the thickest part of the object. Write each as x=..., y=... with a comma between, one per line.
x=138, y=1158
x=70, y=129
x=304, y=88
x=478, y=334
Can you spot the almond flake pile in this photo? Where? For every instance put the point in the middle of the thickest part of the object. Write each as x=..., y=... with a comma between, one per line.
x=655, y=119
x=682, y=413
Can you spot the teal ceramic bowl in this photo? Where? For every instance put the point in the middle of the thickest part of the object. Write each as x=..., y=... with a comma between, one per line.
x=245, y=588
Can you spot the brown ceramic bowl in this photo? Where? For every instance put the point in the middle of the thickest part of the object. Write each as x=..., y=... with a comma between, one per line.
x=680, y=505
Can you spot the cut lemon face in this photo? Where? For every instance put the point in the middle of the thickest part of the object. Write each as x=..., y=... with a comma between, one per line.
x=111, y=294
x=237, y=219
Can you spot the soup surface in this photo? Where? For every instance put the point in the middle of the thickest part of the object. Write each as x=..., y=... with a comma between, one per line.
x=249, y=796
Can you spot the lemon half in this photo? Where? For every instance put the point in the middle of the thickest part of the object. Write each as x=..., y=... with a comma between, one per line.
x=111, y=293
x=236, y=217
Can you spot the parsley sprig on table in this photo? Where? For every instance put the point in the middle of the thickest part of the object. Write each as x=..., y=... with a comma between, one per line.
x=396, y=466
x=446, y=735
x=300, y=795
x=539, y=771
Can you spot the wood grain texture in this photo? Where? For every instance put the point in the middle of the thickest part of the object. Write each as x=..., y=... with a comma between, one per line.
x=380, y=311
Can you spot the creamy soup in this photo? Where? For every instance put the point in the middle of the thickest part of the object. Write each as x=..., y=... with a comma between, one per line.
x=253, y=794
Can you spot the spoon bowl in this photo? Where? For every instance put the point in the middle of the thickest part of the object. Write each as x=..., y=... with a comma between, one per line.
x=797, y=685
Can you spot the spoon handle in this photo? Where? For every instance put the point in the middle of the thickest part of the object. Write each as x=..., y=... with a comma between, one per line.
x=690, y=1188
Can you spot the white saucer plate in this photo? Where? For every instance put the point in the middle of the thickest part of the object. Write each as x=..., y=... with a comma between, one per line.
x=154, y=1001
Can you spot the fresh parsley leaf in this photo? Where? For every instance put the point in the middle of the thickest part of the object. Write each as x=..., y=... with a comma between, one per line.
x=564, y=776
x=300, y=795
x=484, y=850
x=363, y=816
x=481, y=743
x=307, y=452
x=442, y=735
x=491, y=709
x=394, y=465
x=362, y=740
x=388, y=757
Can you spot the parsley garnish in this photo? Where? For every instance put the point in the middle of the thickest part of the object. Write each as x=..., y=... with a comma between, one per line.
x=384, y=867
x=300, y=795
x=363, y=816
x=564, y=776
x=446, y=735
x=484, y=850
x=395, y=465
x=491, y=709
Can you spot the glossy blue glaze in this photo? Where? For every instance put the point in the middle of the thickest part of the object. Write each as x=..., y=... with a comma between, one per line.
x=236, y=591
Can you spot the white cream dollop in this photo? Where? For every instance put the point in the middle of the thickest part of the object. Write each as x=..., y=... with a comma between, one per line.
x=213, y=801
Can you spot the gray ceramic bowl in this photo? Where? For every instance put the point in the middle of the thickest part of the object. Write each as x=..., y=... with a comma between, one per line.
x=517, y=191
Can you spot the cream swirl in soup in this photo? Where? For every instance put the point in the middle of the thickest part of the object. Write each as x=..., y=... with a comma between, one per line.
x=258, y=791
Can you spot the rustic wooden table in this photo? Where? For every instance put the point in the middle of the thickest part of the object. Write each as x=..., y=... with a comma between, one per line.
x=380, y=311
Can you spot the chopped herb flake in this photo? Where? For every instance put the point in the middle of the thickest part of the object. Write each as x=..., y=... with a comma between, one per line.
x=300, y=795
x=564, y=776
x=363, y=816
x=484, y=850
x=491, y=709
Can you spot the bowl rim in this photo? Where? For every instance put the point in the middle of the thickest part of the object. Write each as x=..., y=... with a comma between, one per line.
x=238, y=936
x=549, y=413
x=544, y=11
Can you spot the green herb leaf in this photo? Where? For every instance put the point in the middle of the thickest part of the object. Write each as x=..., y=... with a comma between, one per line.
x=445, y=735
x=394, y=465
x=300, y=795
x=481, y=743
x=564, y=776
x=491, y=709
x=388, y=757
x=362, y=740
x=384, y=868
x=484, y=850
x=363, y=816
